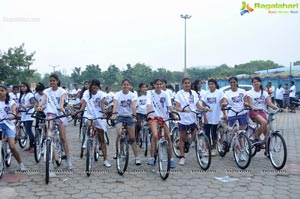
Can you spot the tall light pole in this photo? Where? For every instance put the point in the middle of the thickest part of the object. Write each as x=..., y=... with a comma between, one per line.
x=54, y=67
x=185, y=17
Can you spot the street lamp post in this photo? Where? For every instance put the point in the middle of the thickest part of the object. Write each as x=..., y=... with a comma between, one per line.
x=54, y=67
x=185, y=17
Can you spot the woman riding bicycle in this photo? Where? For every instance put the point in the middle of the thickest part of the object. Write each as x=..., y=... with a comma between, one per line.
x=124, y=111
x=186, y=101
x=159, y=103
x=141, y=111
x=54, y=99
x=93, y=101
x=8, y=126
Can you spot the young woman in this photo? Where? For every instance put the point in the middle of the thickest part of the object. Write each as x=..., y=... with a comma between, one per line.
x=8, y=126
x=159, y=103
x=125, y=107
x=26, y=104
x=38, y=96
x=53, y=99
x=213, y=98
x=196, y=86
x=234, y=98
x=93, y=101
x=258, y=99
x=141, y=111
x=186, y=101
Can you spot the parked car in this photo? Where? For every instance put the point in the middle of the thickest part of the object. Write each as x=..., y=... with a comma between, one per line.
x=246, y=87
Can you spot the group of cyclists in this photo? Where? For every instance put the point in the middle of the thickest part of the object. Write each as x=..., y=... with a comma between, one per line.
x=153, y=103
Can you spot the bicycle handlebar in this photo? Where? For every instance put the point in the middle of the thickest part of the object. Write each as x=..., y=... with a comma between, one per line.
x=236, y=112
x=169, y=119
x=9, y=118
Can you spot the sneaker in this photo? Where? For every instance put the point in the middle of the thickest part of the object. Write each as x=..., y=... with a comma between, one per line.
x=22, y=167
x=242, y=157
x=182, y=161
x=106, y=164
x=137, y=161
x=69, y=163
x=213, y=152
x=204, y=159
x=151, y=161
x=172, y=164
x=115, y=156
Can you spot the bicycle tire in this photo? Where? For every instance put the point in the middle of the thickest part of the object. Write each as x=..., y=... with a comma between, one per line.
x=84, y=131
x=89, y=157
x=1, y=168
x=221, y=141
x=145, y=141
x=203, y=151
x=164, y=159
x=96, y=150
x=106, y=139
x=276, y=136
x=38, y=145
x=122, y=155
x=48, y=151
x=175, y=140
x=22, y=137
x=242, y=144
x=251, y=136
x=7, y=157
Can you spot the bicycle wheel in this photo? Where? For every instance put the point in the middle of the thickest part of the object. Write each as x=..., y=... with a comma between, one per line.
x=89, y=157
x=83, y=141
x=277, y=150
x=38, y=145
x=122, y=155
x=96, y=149
x=1, y=167
x=7, y=156
x=22, y=137
x=242, y=150
x=175, y=140
x=251, y=136
x=48, y=151
x=222, y=147
x=106, y=139
x=164, y=160
x=137, y=136
x=203, y=151
x=145, y=140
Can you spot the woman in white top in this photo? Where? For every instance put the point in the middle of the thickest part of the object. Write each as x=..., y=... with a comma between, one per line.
x=53, y=99
x=186, y=100
x=159, y=103
x=141, y=111
x=213, y=98
x=124, y=110
x=258, y=99
x=292, y=97
x=26, y=104
x=234, y=98
x=93, y=102
x=8, y=126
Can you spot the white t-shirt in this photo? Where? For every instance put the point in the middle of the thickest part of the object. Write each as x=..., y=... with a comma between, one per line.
x=109, y=99
x=39, y=98
x=125, y=102
x=235, y=101
x=14, y=97
x=159, y=103
x=279, y=93
x=187, y=98
x=200, y=94
x=5, y=109
x=93, y=104
x=53, y=100
x=258, y=98
x=75, y=92
x=27, y=99
x=213, y=100
x=142, y=104
x=293, y=93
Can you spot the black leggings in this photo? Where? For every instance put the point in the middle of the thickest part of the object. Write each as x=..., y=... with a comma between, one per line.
x=211, y=131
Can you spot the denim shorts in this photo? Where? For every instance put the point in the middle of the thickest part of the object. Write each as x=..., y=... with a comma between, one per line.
x=7, y=131
x=125, y=119
x=243, y=119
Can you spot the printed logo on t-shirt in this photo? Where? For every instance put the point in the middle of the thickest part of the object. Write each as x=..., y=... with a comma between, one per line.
x=191, y=99
x=97, y=102
x=142, y=102
x=259, y=100
x=238, y=99
x=162, y=102
x=211, y=100
x=126, y=103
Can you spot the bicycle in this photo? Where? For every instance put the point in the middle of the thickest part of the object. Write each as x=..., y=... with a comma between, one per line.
x=201, y=141
x=233, y=137
x=53, y=149
x=274, y=143
x=21, y=134
x=162, y=150
x=40, y=136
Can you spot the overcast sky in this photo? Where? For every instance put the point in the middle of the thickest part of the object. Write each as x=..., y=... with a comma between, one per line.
x=73, y=33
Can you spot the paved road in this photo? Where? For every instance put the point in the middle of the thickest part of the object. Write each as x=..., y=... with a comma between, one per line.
x=223, y=180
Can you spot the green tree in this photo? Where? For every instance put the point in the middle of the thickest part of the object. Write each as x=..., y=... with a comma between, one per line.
x=296, y=63
x=112, y=76
x=76, y=75
x=91, y=72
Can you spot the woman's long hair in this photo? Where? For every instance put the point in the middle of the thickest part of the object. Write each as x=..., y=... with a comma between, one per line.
x=24, y=93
